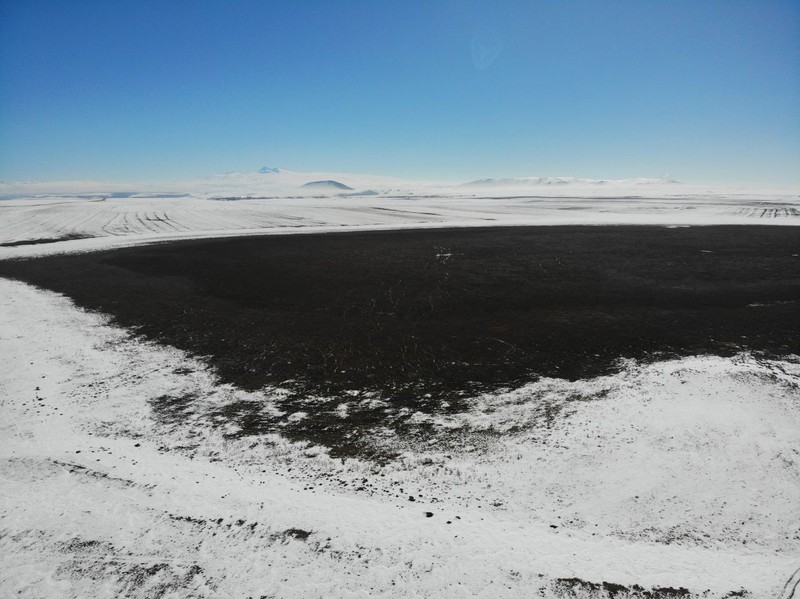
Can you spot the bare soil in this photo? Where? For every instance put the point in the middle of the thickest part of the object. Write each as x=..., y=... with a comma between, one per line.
x=425, y=318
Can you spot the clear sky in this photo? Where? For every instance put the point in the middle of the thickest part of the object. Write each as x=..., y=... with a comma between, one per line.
x=156, y=90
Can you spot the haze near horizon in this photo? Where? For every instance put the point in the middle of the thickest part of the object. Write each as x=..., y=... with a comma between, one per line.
x=704, y=92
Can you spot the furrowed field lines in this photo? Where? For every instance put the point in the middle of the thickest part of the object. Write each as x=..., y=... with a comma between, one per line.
x=37, y=219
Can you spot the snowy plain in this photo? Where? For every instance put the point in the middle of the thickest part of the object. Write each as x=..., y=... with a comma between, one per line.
x=278, y=202
x=680, y=475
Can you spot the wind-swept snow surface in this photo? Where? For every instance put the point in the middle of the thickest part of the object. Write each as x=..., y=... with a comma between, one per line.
x=680, y=476
x=275, y=200
x=86, y=224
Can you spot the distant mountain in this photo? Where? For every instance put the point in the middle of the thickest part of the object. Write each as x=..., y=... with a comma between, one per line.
x=537, y=181
x=520, y=181
x=265, y=170
x=327, y=184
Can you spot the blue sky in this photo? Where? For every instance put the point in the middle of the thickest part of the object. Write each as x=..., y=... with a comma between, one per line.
x=126, y=91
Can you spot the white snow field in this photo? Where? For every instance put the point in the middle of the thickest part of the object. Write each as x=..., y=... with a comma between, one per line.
x=277, y=202
x=682, y=475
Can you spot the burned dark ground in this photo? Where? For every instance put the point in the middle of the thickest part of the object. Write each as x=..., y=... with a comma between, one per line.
x=425, y=318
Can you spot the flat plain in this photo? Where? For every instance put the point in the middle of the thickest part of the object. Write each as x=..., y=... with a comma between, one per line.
x=282, y=398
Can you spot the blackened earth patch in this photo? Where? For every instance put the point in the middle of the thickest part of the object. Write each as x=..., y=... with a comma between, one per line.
x=423, y=319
